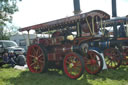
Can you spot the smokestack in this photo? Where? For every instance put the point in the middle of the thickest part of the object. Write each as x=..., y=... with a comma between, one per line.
x=77, y=7
x=114, y=14
x=114, y=11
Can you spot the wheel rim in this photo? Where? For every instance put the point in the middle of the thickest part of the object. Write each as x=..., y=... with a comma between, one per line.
x=125, y=57
x=72, y=66
x=93, y=62
x=112, y=58
x=35, y=59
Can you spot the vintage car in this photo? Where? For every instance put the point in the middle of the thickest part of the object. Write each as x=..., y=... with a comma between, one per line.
x=8, y=46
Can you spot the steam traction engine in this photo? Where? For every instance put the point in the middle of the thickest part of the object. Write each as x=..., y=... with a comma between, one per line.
x=67, y=46
x=116, y=52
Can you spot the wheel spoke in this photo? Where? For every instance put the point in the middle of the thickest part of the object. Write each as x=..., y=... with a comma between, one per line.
x=32, y=56
x=78, y=64
x=77, y=69
x=93, y=68
x=40, y=55
x=97, y=65
x=68, y=62
x=106, y=60
x=33, y=51
x=111, y=64
x=41, y=61
x=91, y=56
x=37, y=52
x=32, y=64
x=116, y=62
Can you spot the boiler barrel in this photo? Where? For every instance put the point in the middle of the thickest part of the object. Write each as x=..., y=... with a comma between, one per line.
x=103, y=44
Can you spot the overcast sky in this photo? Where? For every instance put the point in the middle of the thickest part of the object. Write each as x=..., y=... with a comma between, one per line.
x=33, y=12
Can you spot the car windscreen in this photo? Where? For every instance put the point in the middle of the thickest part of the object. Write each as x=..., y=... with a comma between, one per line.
x=10, y=44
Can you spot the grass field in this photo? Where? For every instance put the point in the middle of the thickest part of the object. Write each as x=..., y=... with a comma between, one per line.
x=11, y=76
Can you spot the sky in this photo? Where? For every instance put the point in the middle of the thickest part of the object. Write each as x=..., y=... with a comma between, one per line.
x=33, y=12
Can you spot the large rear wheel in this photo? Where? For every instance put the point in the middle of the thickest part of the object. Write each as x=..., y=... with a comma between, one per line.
x=93, y=62
x=73, y=65
x=36, y=58
x=112, y=58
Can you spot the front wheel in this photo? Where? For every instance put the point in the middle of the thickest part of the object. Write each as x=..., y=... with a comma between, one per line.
x=73, y=65
x=93, y=62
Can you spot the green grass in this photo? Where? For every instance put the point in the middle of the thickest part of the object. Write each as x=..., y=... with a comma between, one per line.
x=10, y=76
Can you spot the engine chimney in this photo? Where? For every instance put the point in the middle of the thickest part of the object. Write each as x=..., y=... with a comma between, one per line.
x=77, y=7
x=114, y=14
x=114, y=11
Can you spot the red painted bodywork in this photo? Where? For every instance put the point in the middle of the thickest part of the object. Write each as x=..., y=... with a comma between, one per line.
x=57, y=46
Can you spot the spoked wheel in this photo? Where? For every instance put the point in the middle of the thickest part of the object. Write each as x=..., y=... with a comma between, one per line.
x=93, y=62
x=112, y=58
x=73, y=65
x=36, y=59
x=125, y=57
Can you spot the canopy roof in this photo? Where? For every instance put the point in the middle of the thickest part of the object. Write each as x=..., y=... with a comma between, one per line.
x=117, y=21
x=61, y=23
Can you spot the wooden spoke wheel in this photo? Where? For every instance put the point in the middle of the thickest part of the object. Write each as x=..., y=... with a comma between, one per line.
x=73, y=65
x=112, y=58
x=36, y=59
x=93, y=62
x=125, y=57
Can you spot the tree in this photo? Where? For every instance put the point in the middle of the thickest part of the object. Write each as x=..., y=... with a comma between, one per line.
x=7, y=8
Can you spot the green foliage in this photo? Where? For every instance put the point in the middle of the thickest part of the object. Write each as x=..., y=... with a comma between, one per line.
x=3, y=36
x=10, y=76
x=7, y=31
x=7, y=8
